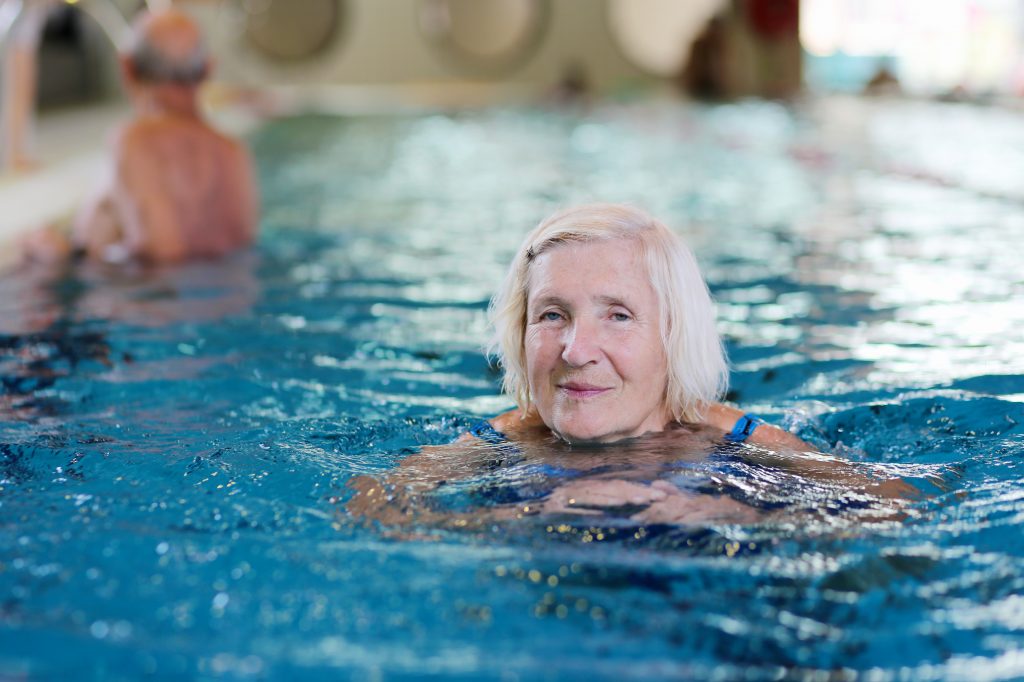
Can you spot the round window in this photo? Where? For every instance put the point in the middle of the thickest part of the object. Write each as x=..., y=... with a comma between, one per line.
x=287, y=30
x=485, y=36
x=656, y=35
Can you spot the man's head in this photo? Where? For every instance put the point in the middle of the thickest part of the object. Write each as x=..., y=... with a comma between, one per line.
x=165, y=47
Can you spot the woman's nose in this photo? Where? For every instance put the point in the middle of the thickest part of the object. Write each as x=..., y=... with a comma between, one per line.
x=582, y=344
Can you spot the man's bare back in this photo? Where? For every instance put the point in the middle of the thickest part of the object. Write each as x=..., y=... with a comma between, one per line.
x=179, y=190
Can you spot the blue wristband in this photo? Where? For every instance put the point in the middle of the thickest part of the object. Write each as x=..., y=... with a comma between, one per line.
x=745, y=426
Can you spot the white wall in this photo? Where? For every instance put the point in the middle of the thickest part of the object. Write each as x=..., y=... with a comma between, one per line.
x=382, y=44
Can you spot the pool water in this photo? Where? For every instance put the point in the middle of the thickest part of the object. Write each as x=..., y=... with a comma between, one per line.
x=176, y=446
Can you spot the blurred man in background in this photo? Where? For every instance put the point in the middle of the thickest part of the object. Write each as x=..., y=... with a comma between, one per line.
x=176, y=188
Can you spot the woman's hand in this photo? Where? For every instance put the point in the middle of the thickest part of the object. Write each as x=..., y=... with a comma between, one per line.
x=681, y=508
x=373, y=501
x=661, y=502
x=596, y=496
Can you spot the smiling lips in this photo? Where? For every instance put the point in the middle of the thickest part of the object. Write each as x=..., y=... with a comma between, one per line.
x=581, y=391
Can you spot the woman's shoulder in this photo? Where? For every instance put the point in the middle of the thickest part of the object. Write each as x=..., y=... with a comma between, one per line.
x=516, y=420
x=511, y=425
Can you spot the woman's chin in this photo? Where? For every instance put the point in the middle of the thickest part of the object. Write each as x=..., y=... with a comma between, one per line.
x=576, y=434
x=586, y=433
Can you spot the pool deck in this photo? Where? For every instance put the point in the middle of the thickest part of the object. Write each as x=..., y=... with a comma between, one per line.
x=69, y=154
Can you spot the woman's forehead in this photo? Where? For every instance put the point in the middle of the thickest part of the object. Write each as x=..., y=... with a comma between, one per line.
x=613, y=265
x=619, y=251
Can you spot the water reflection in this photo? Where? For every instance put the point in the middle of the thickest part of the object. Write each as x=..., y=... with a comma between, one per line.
x=55, y=324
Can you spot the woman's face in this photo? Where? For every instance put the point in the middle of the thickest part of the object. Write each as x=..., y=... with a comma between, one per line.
x=594, y=354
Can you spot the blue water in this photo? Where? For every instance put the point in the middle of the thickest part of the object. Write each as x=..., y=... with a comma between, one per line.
x=175, y=445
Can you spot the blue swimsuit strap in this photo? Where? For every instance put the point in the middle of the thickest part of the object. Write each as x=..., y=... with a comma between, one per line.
x=487, y=433
x=743, y=428
x=741, y=431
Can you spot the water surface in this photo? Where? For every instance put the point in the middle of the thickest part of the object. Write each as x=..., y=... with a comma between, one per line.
x=176, y=446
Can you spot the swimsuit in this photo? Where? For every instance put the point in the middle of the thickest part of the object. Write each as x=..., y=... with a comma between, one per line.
x=743, y=429
x=727, y=470
x=527, y=482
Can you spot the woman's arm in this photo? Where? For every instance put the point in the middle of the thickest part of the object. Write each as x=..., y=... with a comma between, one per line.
x=397, y=497
x=401, y=498
x=724, y=417
x=785, y=451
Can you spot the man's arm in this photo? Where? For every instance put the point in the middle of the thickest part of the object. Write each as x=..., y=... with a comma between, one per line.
x=108, y=226
x=96, y=228
x=243, y=183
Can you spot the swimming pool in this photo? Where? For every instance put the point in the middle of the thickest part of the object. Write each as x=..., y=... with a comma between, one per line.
x=175, y=446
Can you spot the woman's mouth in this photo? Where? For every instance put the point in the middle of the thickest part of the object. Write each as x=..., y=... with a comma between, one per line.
x=581, y=391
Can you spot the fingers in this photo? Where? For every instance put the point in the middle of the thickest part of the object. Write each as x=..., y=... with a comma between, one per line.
x=895, y=488
x=560, y=506
x=665, y=487
x=616, y=492
x=685, y=509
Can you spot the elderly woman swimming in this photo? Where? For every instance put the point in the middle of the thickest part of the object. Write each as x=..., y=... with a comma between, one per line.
x=605, y=330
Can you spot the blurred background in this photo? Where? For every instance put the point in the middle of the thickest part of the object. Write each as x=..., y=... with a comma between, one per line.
x=768, y=47
x=275, y=57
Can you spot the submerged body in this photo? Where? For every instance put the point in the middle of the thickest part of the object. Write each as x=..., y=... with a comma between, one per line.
x=509, y=469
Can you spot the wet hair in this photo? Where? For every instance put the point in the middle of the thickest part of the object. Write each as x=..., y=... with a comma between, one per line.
x=697, y=370
x=151, y=65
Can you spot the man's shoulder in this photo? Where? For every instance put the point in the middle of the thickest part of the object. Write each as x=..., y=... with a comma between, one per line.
x=141, y=140
x=146, y=130
x=141, y=135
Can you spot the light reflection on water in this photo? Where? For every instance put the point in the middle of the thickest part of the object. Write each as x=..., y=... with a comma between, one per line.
x=175, y=447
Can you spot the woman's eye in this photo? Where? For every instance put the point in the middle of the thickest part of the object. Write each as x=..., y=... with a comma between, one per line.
x=621, y=317
x=551, y=316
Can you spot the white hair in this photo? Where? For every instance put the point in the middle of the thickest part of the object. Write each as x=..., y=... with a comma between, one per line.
x=153, y=64
x=698, y=374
